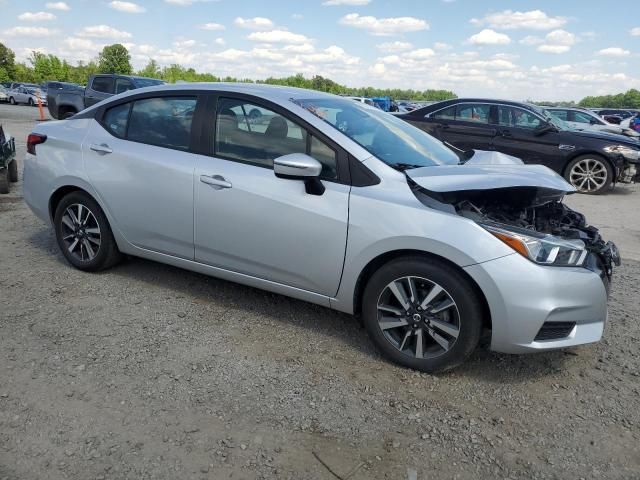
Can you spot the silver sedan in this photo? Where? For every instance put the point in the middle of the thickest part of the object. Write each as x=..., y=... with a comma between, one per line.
x=330, y=201
x=27, y=95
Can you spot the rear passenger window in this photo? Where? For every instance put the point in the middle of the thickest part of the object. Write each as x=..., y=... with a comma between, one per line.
x=253, y=134
x=123, y=85
x=517, y=117
x=446, y=114
x=473, y=113
x=163, y=121
x=561, y=114
x=102, y=84
x=115, y=119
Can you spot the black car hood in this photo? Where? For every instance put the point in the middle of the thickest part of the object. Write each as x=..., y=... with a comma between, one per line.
x=619, y=138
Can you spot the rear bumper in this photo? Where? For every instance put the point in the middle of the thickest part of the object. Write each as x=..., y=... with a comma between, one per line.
x=527, y=301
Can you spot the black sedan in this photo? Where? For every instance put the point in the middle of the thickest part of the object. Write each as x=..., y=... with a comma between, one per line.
x=591, y=161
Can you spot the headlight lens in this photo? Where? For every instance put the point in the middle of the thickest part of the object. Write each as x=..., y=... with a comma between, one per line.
x=624, y=150
x=541, y=248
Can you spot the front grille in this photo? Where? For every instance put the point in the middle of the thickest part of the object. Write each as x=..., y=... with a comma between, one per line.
x=555, y=330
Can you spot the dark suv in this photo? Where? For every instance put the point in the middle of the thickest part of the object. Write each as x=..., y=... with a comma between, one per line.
x=590, y=161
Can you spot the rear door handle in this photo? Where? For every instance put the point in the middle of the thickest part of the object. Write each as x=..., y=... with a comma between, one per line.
x=102, y=148
x=216, y=181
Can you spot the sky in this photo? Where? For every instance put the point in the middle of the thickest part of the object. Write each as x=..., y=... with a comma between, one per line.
x=513, y=49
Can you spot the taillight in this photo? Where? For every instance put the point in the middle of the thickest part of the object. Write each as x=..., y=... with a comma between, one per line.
x=34, y=139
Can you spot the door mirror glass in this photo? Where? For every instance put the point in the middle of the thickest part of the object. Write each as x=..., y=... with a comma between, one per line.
x=544, y=128
x=297, y=166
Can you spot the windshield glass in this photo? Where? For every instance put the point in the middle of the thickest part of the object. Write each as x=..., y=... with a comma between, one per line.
x=552, y=119
x=147, y=82
x=392, y=140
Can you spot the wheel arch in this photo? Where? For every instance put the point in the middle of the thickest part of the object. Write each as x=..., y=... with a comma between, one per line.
x=575, y=155
x=384, y=258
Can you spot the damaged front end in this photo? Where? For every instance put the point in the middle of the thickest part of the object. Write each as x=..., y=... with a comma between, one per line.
x=521, y=206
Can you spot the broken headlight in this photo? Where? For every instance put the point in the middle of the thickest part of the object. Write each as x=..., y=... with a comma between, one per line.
x=541, y=248
x=627, y=152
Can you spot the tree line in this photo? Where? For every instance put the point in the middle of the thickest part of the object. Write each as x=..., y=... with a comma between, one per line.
x=115, y=58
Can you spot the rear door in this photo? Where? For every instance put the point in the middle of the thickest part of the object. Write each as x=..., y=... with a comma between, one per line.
x=249, y=221
x=101, y=87
x=517, y=136
x=471, y=129
x=139, y=159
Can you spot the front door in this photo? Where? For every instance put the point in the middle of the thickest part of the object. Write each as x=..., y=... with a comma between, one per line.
x=518, y=136
x=249, y=221
x=137, y=159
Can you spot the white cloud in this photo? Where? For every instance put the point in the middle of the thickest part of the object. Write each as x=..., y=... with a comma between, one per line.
x=36, y=17
x=127, y=7
x=635, y=32
x=185, y=3
x=553, y=48
x=62, y=6
x=558, y=41
x=384, y=26
x=255, y=23
x=489, y=37
x=391, y=47
x=277, y=36
x=332, y=3
x=420, y=54
x=614, y=52
x=219, y=41
x=303, y=48
x=103, y=31
x=510, y=20
x=211, y=26
x=442, y=46
x=30, y=32
x=531, y=40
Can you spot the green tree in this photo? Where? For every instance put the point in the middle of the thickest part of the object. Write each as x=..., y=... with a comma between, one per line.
x=115, y=59
x=7, y=60
x=151, y=70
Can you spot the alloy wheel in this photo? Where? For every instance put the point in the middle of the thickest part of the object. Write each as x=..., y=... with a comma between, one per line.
x=588, y=175
x=418, y=317
x=81, y=232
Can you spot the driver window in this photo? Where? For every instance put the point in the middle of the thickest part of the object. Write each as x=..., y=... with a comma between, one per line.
x=517, y=117
x=581, y=117
x=473, y=113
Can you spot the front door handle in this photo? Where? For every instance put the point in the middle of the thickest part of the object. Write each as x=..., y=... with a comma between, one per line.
x=216, y=181
x=506, y=133
x=102, y=148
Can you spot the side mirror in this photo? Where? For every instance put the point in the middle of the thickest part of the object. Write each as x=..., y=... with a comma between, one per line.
x=593, y=121
x=299, y=166
x=544, y=128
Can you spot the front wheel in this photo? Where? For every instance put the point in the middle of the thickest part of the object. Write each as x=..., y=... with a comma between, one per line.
x=83, y=233
x=31, y=104
x=12, y=100
x=13, y=171
x=422, y=313
x=590, y=174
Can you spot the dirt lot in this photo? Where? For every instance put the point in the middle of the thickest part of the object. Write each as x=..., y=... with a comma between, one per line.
x=147, y=371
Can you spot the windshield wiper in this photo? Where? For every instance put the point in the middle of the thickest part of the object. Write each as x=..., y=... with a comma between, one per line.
x=405, y=166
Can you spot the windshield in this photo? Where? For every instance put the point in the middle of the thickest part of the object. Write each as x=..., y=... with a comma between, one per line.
x=392, y=140
x=552, y=119
x=147, y=82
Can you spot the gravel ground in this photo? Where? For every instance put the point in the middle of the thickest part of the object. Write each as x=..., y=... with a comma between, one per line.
x=147, y=371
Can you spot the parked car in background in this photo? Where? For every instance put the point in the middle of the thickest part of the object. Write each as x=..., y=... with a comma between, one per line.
x=70, y=99
x=14, y=85
x=364, y=100
x=591, y=161
x=3, y=94
x=580, y=119
x=27, y=95
x=436, y=251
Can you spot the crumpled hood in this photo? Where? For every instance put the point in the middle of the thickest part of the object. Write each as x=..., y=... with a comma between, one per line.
x=485, y=171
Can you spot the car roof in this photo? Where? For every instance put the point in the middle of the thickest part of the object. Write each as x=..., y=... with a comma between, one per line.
x=443, y=104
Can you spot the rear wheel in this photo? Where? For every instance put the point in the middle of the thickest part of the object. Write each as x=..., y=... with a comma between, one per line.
x=590, y=174
x=422, y=313
x=31, y=104
x=67, y=114
x=13, y=170
x=12, y=100
x=83, y=233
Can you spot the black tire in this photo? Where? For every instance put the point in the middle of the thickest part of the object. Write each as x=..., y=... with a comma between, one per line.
x=573, y=176
x=12, y=100
x=13, y=170
x=4, y=180
x=456, y=286
x=31, y=103
x=67, y=114
x=107, y=254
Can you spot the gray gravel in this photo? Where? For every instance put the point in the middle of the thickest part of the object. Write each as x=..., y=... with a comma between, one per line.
x=147, y=371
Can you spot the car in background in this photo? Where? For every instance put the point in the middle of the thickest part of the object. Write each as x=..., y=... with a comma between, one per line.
x=4, y=97
x=591, y=161
x=364, y=100
x=616, y=116
x=69, y=99
x=585, y=119
x=27, y=95
x=332, y=202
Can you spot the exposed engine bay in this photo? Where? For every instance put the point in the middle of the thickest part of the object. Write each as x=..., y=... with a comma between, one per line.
x=533, y=209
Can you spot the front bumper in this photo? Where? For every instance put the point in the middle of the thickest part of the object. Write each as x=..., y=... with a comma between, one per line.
x=523, y=297
x=629, y=173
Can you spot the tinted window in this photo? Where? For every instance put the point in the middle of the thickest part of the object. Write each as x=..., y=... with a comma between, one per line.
x=517, y=117
x=147, y=82
x=469, y=112
x=446, y=114
x=115, y=119
x=326, y=156
x=102, y=84
x=162, y=121
x=582, y=117
x=122, y=85
x=254, y=134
